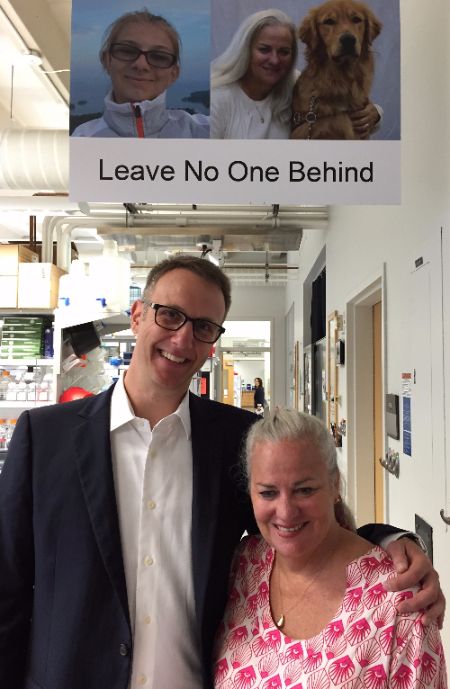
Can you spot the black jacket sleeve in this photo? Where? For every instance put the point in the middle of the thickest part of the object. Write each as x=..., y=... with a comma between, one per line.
x=16, y=558
x=376, y=532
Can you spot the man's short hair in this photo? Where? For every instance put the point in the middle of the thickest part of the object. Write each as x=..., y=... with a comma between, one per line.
x=199, y=266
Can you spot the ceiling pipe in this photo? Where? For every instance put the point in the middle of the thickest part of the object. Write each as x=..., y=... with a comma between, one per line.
x=312, y=216
x=63, y=246
x=47, y=235
x=38, y=204
x=60, y=228
x=251, y=226
x=260, y=266
x=109, y=225
x=229, y=216
x=241, y=275
x=100, y=208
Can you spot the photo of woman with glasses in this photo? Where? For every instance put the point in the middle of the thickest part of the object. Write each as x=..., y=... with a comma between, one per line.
x=141, y=55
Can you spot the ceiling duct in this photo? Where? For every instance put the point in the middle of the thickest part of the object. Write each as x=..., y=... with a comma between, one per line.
x=34, y=159
x=236, y=239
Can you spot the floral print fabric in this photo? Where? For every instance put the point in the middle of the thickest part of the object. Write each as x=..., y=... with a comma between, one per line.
x=367, y=645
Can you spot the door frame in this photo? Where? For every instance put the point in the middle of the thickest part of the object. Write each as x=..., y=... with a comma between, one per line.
x=359, y=381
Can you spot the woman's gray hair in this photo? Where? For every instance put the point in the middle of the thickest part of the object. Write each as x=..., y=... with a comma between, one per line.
x=139, y=16
x=233, y=63
x=292, y=425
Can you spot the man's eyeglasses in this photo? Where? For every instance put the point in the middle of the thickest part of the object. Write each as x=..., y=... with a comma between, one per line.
x=130, y=53
x=172, y=319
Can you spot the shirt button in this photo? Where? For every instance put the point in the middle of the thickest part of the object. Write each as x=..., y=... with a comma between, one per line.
x=152, y=454
x=148, y=561
x=123, y=650
x=147, y=619
x=151, y=504
x=142, y=679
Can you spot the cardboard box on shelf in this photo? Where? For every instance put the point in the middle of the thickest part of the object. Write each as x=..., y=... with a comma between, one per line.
x=13, y=255
x=8, y=291
x=38, y=285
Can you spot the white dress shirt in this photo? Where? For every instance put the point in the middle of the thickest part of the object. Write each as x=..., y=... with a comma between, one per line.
x=153, y=482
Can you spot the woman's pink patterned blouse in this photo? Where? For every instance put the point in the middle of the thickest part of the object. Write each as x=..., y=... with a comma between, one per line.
x=367, y=645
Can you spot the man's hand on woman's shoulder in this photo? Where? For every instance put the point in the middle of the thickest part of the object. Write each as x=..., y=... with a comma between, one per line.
x=414, y=568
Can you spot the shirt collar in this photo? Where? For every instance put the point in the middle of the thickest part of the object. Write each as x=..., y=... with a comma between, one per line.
x=121, y=409
x=184, y=415
x=120, y=116
x=155, y=103
x=122, y=412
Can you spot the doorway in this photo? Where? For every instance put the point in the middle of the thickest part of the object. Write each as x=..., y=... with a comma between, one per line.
x=246, y=354
x=365, y=386
x=378, y=447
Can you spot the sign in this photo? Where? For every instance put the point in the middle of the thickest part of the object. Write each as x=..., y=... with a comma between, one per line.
x=118, y=153
x=406, y=398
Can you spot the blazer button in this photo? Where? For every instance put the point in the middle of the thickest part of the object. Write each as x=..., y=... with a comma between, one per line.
x=123, y=650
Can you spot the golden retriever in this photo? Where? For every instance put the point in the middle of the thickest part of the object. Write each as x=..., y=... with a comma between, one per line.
x=339, y=69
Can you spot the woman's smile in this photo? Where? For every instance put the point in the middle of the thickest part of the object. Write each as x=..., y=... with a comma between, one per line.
x=137, y=81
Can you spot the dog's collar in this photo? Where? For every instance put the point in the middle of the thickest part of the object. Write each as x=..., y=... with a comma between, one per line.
x=310, y=117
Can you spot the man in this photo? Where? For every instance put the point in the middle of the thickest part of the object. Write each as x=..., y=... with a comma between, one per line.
x=119, y=514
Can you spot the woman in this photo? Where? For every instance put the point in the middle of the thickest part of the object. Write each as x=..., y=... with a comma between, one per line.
x=307, y=607
x=141, y=54
x=258, y=396
x=252, y=82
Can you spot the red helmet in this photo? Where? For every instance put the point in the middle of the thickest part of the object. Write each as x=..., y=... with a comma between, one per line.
x=74, y=393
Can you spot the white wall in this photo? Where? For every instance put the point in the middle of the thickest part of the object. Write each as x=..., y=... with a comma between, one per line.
x=265, y=303
x=360, y=240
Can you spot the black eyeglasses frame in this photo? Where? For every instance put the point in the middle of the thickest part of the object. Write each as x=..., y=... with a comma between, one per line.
x=140, y=52
x=156, y=308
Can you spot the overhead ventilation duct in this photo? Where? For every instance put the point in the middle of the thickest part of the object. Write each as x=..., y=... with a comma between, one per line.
x=35, y=159
x=258, y=276
x=238, y=228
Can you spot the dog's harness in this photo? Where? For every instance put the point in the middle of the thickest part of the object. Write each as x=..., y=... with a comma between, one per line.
x=309, y=117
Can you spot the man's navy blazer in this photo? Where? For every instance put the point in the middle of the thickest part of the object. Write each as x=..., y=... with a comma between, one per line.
x=64, y=619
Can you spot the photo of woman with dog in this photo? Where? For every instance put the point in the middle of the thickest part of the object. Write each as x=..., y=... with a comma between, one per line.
x=257, y=65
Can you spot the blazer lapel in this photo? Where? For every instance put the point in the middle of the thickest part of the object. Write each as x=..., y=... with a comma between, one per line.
x=95, y=471
x=206, y=444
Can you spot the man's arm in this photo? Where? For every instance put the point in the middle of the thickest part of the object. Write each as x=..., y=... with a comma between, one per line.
x=414, y=568
x=16, y=558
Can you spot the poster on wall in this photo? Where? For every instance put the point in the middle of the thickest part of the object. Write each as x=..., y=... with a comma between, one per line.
x=406, y=403
x=231, y=102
